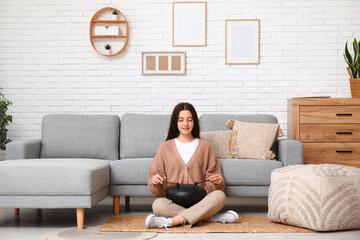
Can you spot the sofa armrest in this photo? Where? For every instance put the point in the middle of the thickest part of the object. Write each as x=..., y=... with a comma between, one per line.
x=23, y=149
x=290, y=152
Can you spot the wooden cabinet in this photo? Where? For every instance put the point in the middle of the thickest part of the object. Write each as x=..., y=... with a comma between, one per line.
x=328, y=127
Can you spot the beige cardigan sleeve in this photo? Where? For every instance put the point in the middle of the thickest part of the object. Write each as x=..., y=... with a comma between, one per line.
x=157, y=166
x=214, y=167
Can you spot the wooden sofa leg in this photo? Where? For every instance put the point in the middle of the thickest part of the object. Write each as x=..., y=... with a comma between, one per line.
x=80, y=215
x=116, y=205
x=16, y=211
x=127, y=201
x=38, y=214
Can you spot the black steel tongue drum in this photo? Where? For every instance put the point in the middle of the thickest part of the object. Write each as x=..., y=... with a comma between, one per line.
x=186, y=195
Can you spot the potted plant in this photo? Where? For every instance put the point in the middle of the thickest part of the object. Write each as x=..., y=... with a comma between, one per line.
x=107, y=49
x=115, y=15
x=4, y=120
x=354, y=68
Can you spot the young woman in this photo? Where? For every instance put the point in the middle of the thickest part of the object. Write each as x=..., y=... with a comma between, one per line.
x=186, y=159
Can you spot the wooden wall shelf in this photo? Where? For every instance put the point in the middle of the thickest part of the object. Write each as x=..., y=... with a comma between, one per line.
x=108, y=21
x=109, y=36
x=118, y=42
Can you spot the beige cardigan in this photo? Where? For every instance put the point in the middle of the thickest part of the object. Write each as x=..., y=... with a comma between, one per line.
x=171, y=167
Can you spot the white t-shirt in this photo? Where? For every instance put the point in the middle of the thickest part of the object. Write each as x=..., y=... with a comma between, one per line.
x=186, y=150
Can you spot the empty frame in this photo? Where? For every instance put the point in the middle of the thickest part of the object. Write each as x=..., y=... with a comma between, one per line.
x=242, y=41
x=189, y=24
x=163, y=63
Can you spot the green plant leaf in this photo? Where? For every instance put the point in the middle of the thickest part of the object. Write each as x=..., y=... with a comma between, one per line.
x=356, y=51
x=348, y=55
x=352, y=68
x=356, y=58
x=353, y=61
x=4, y=120
x=358, y=63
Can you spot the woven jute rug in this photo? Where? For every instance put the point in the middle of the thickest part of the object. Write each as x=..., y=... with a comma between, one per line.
x=245, y=224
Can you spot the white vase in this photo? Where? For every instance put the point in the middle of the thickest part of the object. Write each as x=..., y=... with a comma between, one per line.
x=115, y=17
x=107, y=51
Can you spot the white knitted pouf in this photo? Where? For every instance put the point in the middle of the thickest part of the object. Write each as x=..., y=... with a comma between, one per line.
x=321, y=197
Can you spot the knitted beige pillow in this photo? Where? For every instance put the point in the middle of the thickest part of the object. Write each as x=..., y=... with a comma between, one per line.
x=253, y=140
x=220, y=141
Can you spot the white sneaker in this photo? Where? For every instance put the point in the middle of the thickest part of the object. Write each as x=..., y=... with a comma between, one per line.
x=225, y=217
x=153, y=221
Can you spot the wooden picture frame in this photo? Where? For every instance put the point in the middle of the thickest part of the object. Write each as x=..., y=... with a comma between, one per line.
x=163, y=63
x=189, y=24
x=242, y=41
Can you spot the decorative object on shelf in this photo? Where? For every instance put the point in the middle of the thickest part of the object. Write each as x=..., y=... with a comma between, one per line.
x=4, y=120
x=115, y=15
x=242, y=41
x=354, y=68
x=108, y=49
x=189, y=24
x=103, y=30
x=106, y=30
x=163, y=63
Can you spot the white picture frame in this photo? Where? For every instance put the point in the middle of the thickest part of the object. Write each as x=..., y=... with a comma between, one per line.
x=242, y=41
x=163, y=63
x=189, y=24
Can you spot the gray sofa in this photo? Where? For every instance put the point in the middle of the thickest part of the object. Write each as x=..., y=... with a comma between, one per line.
x=82, y=159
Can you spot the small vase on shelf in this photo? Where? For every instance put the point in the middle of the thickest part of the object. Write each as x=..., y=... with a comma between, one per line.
x=115, y=15
x=107, y=49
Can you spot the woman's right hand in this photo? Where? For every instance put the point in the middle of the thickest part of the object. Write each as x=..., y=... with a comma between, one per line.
x=157, y=179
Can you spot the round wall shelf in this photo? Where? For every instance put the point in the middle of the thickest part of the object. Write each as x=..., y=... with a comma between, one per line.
x=105, y=28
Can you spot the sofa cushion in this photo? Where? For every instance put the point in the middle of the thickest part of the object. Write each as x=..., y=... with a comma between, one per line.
x=253, y=140
x=236, y=171
x=130, y=171
x=53, y=177
x=142, y=134
x=220, y=142
x=217, y=122
x=248, y=171
x=80, y=136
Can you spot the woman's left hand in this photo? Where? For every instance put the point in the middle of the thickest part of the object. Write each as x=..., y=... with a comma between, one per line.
x=217, y=179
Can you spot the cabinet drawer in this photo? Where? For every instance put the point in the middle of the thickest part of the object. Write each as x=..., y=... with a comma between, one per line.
x=332, y=153
x=330, y=132
x=329, y=114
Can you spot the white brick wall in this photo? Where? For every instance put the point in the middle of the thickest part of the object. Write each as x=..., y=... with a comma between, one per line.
x=47, y=64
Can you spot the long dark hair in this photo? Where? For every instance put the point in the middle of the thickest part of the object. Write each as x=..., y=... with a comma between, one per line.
x=173, y=129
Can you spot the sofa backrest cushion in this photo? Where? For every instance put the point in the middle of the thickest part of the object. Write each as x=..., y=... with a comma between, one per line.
x=80, y=136
x=142, y=134
x=217, y=122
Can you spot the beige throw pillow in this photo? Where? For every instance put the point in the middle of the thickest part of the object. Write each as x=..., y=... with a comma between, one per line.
x=253, y=140
x=220, y=141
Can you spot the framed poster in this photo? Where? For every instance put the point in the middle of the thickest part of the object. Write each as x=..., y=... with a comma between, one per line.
x=163, y=63
x=242, y=41
x=189, y=24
